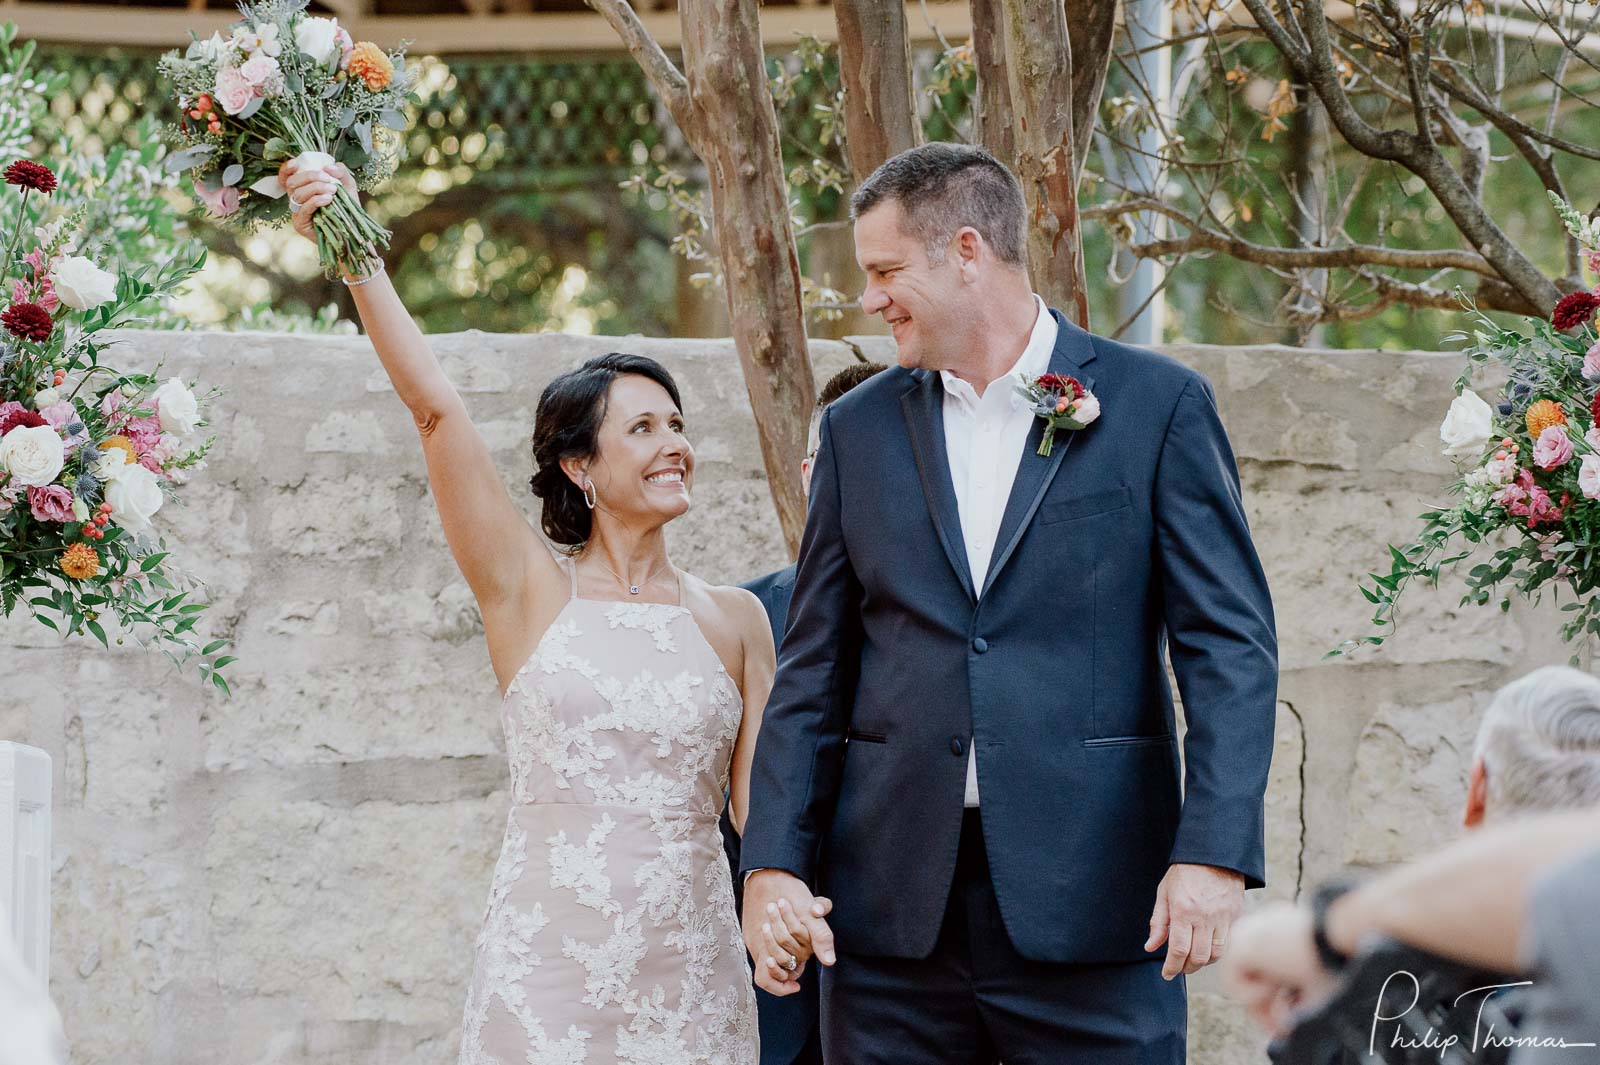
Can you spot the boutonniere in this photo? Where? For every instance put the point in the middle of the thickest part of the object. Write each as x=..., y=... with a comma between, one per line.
x=1062, y=402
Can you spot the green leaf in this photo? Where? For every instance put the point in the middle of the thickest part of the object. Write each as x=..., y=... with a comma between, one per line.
x=152, y=561
x=100, y=633
x=225, y=660
x=222, y=685
x=213, y=647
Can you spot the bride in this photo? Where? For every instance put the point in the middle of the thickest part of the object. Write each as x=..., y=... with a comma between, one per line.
x=633, y=692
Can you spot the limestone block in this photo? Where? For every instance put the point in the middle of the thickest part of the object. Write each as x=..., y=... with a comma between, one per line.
x=306, y=617
x=417, y=702
x=450, y=615
x=1220, y=1033
x=1285, y=821
x=344, y=518
x=370, y=911
x=349, y=432
x=1410, y=778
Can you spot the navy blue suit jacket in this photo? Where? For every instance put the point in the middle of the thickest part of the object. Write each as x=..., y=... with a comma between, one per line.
x=786, y=1023
x=1128, y=543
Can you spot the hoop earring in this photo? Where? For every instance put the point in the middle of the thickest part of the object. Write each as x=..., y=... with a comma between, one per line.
x=590, y=496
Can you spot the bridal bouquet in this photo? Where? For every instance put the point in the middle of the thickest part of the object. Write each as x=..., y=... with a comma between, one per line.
x=1529, y=486
x=285, y=84
x=88, y=454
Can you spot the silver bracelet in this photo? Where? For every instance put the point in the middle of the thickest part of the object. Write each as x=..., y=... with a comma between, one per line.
x=348, y=283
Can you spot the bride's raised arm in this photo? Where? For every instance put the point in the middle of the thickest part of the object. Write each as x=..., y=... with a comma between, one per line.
x=496, y=549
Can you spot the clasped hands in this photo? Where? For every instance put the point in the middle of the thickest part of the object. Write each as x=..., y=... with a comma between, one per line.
x=785, y=926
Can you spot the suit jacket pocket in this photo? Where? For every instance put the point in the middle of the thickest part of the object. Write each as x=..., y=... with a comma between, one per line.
x=865, y=737
x=1131, y=741
x=1085, y=506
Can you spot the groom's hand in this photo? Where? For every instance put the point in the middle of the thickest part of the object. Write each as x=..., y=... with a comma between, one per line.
x=1196, y=905
x=784, y=921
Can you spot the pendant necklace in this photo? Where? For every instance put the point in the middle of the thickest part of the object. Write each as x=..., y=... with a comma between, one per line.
x=633, y=589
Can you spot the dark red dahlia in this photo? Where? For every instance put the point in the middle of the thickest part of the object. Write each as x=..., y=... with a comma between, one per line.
x=20, y=419
x=1061, y=384
x=27, y=174
x=29, y=321
x=1574, y=309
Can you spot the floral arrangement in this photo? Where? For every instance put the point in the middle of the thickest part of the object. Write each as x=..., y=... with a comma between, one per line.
x=89, y=454
x=282, y=85
x=1062, y=402
x=1529, y=485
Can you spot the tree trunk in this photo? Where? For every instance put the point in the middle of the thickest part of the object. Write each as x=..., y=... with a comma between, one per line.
x=1038, y=66
x=992, y=114
x=736, y=136
x=722, y=103
x=880, y=108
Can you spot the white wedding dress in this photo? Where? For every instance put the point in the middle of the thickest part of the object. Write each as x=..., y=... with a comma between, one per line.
x=610, y=935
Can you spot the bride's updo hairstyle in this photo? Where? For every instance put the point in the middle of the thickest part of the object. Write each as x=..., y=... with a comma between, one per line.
x=567, y=426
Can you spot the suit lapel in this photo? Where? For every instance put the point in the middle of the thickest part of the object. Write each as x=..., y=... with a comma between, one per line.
x=1074, y=349
x=923, y=407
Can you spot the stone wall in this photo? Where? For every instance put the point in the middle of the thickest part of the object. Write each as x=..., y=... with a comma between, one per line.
x=296, y=874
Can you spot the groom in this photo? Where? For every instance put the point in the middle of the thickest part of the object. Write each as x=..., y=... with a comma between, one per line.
x=970, y=748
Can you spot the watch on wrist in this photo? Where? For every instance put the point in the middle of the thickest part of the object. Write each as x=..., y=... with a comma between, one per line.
x=1323, y=897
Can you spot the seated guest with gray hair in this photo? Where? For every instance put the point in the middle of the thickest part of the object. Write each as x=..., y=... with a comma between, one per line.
x=1538, y=747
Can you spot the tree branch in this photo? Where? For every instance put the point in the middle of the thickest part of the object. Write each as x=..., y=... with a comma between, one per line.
x=665, y=78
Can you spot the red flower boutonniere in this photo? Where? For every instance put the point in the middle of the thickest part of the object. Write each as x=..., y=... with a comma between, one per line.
x=1062, y=402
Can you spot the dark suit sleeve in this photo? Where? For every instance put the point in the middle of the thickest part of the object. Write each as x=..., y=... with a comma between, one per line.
x=1221, y=638
x=799, y=755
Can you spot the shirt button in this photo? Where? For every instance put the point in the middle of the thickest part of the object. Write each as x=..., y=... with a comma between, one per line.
x=957, y=747
x=980, y=645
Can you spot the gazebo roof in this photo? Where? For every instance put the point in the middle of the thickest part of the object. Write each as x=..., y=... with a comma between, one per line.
x=442, y=26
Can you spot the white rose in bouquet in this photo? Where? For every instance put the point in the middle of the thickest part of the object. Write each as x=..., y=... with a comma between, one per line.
x=177, y=409
x=135, y=496
x=1467, y=426
x=318, y=38
x=45, y=397
x=33, y=455
x=110, y=465
x=81, y=284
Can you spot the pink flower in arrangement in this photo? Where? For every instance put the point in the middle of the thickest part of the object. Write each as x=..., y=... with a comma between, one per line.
x=1593, y=257
x=221, y=203
x=53, y=502
x=233, y=90
x=1524, y=499
x=1553, y=449
x=64, y=418
x=47, y=296
x=36, y=260
x=1591, y=362
x=1547, y=545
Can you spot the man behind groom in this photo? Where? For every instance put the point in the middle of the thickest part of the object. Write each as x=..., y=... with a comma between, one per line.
x=970, y=745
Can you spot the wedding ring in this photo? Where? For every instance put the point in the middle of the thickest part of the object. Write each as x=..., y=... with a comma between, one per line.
x=791, y=963
x=295, y=206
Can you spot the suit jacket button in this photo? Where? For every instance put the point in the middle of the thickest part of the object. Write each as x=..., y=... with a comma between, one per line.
x=957, y=747
x=980, y=645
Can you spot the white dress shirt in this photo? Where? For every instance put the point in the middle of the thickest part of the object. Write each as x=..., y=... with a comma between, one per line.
x=984, y=437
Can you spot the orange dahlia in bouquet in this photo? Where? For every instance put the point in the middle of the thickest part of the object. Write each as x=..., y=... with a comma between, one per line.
x=1528, y=489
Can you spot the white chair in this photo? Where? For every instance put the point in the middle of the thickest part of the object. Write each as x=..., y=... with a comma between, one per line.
x=25, y=853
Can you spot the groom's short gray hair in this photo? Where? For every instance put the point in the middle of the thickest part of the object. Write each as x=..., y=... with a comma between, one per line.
x=944, y=187
x=1540, y=743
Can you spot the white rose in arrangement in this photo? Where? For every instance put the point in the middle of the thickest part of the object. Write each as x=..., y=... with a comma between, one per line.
x=1086, y=410
x=1502, y=469
x=1467, y=426
x=135, y=496
x=81, y=284
x=177, y=409
x=45, y=397
x=1589, y=477
x=33, y=455
x=318, y=38
x=111, y=464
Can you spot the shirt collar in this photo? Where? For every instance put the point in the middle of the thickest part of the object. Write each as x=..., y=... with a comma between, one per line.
x=1034, y=360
